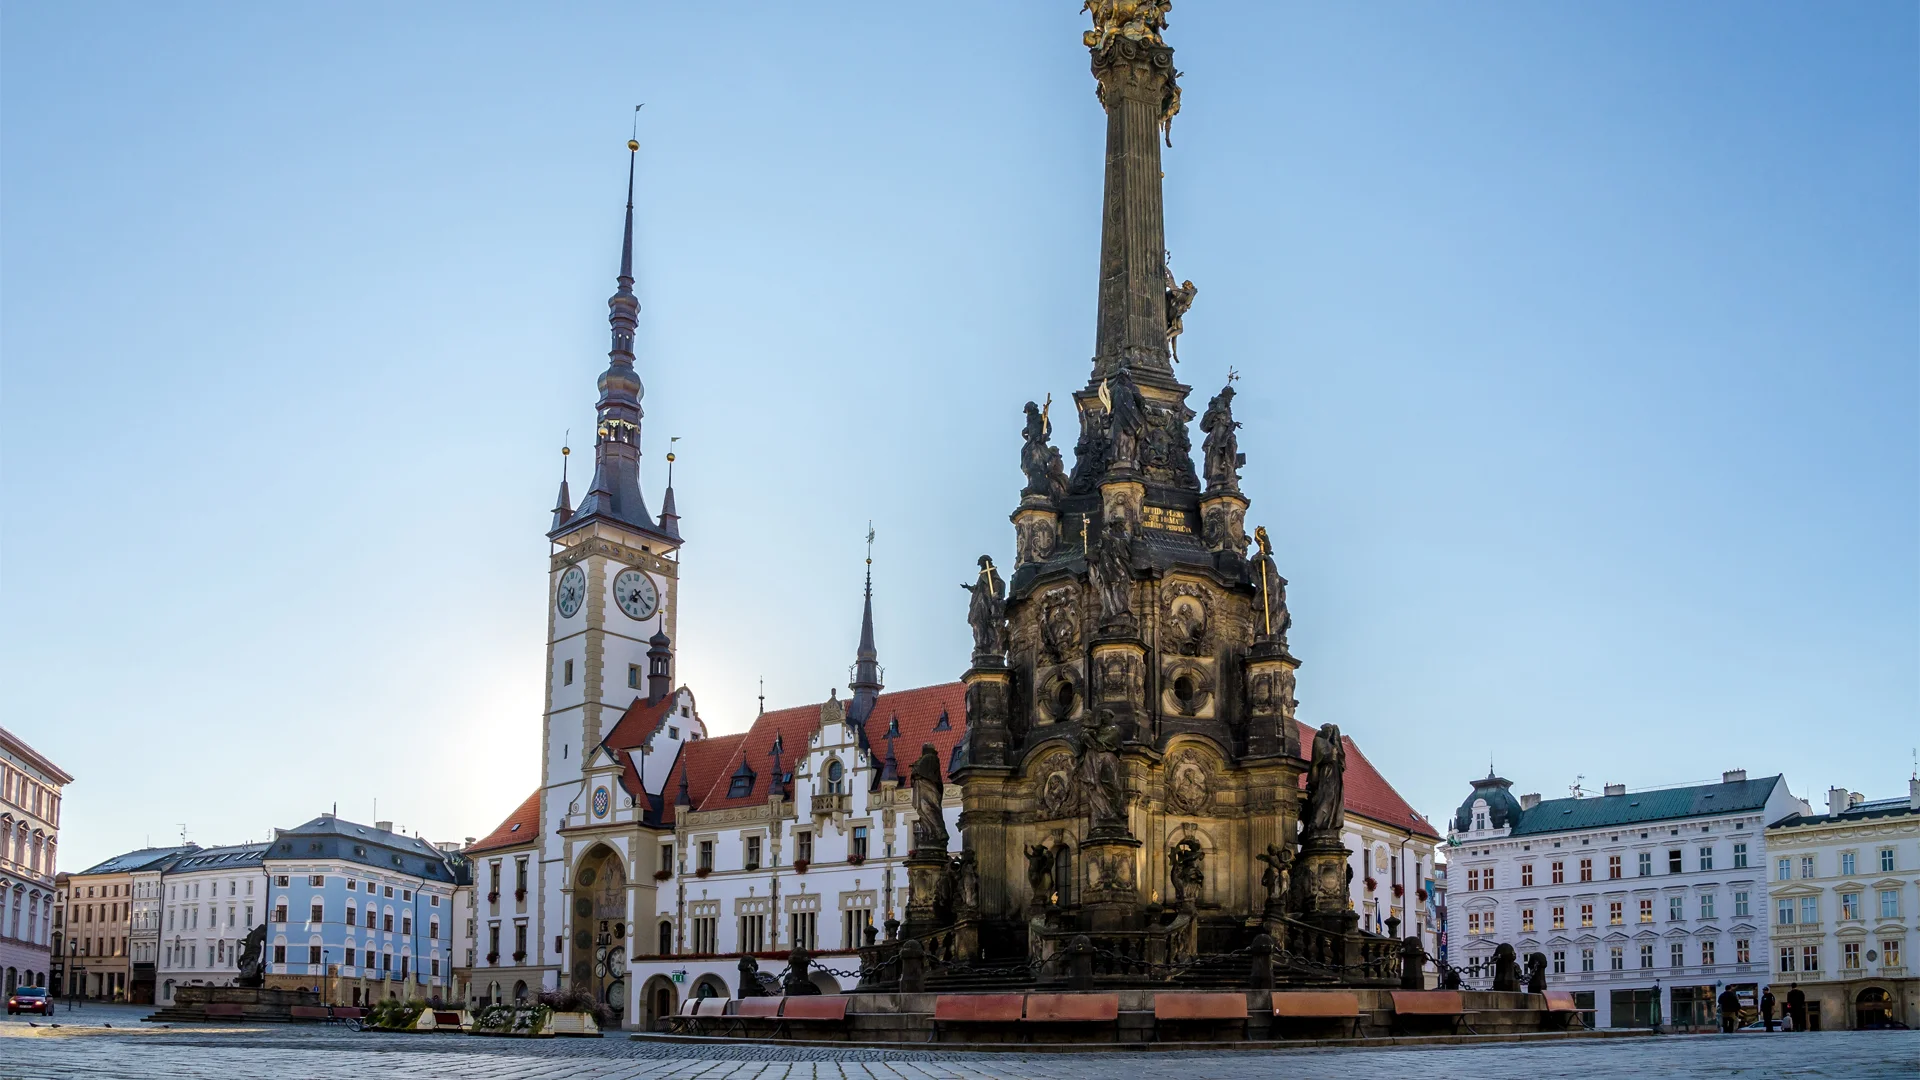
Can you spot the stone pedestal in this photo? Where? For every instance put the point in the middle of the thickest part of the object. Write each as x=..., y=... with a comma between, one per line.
x=1223, y=524
x=1120, y=679
x=1036, y=530
x=1320, y=877
x=1270, y=702
x=1110, y=880
x=924, y=871
x=1123, y=498
x=989, y=710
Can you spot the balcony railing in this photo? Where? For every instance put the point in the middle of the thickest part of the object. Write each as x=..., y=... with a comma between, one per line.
x=825, y=803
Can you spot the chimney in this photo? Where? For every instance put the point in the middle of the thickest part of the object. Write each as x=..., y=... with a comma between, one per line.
x=1837, y=800
x=1913, y=793
x=1615, y=789
x=383, y=826
x=469, y=842
x=1528, y=802
x=1733, y=776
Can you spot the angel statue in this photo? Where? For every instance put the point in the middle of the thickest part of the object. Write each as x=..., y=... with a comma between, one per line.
x=1179, y=302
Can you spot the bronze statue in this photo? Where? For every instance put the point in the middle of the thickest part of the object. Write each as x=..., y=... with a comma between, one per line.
x=1506, y=970
x=987, y=612
x=1098, y=774
x=1271, y=620
x=1536, y=973
x=1277, y=877
x=1126, y=419
x=1179, y=296
x=1326, y=812
x=929, y=786
x=1040, y=873
x=795, y=982
x=1039, y=459
x=1183, y=869
x=1221, y=448
x=252, y=970
x=1110, y=566
x=750, y=976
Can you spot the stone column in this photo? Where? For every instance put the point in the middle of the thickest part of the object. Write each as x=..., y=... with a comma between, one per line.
x=1136, y=80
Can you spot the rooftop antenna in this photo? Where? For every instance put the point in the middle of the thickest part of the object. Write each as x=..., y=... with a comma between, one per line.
x=183, y=834
x=1576, y=790
x=763, y=695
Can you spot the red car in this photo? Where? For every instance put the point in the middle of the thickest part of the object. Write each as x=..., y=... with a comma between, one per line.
x=30, y=999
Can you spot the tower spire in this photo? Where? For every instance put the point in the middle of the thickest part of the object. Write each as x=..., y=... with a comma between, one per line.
x=866, y=684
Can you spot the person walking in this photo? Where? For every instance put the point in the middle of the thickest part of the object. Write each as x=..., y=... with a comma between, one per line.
x=1766, y=1008
x=1729, y=1011
x=1797, y=1007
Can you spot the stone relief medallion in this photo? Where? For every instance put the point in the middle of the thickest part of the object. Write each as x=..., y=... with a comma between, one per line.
x=1188, y=688
x=1188, y=616
x=1056, y=785
x=1188, y=790
x=1116, y=676
x=1060, y=696
x=1059, y=623
x=1036, y=537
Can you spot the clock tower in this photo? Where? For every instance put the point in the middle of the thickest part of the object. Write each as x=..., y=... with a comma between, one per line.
x=613, y=571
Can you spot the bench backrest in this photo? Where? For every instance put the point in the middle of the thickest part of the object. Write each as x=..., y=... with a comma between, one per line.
x=758, y=1006
x=1068, y=1007
x=815, y=1007
x=1429, y=1002
x=450, y=1019
x=983, y=1008
x=691, y=1006
x=1199, y=1006
x=1317, y=1003
x=308, y=1012
x=713, y=1006
x=1561, y=1001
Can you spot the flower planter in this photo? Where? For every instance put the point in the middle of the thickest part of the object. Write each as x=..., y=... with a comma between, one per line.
x=1421, y=896
x=1399, y=890
x=1372, y=884
x=662, y=875
x=493, y=897
x=575, y=1024
x=520, y=895
x=519, y=957
x=493, y=958
x=800, y=866
x=703, y=871
x=856, y=860
x=513, y=1021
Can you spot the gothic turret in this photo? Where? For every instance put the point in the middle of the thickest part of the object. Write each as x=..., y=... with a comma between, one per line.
x=615, y=493
x=865, y=678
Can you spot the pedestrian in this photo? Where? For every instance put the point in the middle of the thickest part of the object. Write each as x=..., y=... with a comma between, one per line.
x=1766, y=1008
x=1729, y=1011
x=1797, y=1007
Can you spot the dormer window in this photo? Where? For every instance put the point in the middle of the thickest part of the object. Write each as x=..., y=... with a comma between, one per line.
x=741, y=785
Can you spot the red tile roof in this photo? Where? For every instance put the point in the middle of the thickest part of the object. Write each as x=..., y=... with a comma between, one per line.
x=1367, y=793
x=638, y=722
x=700, y=761
x=521, y=827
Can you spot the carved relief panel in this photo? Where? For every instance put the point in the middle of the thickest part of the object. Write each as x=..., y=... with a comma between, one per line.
x=1059, y=694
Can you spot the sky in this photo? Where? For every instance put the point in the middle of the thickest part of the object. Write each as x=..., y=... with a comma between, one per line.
x=1579, y=352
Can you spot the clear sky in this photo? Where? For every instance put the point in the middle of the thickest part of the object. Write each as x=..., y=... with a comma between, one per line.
x=1579, y=350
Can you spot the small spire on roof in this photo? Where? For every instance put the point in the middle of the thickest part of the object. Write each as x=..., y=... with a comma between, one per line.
x=763, y=695
x=669, y=514
x=563, y=506
x=682, y=798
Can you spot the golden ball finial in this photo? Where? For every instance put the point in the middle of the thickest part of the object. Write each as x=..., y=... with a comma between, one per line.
x=565, y=450
x=633, y=144
x=669, y=457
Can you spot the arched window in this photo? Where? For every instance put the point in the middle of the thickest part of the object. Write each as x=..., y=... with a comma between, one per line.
x=666, y=938
x=520, y=991
x=836, y=778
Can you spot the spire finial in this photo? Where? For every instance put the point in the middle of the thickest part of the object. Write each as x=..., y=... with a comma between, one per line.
x=763, y=695
x=866, y=683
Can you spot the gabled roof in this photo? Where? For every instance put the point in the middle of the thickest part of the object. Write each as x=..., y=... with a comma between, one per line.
x=1367, y=794
x=701, y=763
x=1638, y=807
x=521, y=827
x=639, y=721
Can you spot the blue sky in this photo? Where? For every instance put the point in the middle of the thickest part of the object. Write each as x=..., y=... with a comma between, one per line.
x=1578, y=342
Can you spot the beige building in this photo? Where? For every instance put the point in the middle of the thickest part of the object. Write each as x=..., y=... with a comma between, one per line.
x=1845, y=900
x=100, y=905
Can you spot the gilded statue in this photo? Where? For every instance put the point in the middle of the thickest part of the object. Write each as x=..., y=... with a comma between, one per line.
x=987, y=611
x=1179, y=301
x=929, y=786
x=1326, y=810
x=1135, y=20
x=1270, y=619
x=1098, y=773
x=1220, y=450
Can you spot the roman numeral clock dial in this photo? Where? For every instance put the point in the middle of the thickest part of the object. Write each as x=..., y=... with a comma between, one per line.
x=634, y=591
x=572, y=590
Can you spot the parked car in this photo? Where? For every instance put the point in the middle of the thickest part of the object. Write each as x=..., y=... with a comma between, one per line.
x=32, y=999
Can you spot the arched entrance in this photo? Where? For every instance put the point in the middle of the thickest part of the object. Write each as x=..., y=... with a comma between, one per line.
x=658, y=1000
x=598, y=953
x=1872, y=1009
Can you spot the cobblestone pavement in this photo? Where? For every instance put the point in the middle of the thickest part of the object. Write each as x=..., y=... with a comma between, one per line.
x=133, y=1049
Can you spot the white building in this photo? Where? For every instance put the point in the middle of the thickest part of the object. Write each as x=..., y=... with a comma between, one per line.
x=209, y=901
x=1845, y=890
x=1646, y=903
x=30, y=787
x=499, y=961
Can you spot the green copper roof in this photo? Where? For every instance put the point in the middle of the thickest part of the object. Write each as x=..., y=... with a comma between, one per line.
x=1637, y=807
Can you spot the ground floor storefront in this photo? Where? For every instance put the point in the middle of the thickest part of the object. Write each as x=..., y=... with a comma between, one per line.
x=1858, y=1004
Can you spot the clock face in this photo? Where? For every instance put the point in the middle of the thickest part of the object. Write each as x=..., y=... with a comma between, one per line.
x=573, y=589
x=636, y=594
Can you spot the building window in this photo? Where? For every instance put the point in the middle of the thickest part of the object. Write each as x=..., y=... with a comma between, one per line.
x=836, y=778
x=1847, y=864
x=1526, y=875
x=1809, y=909
x=1559, y=961
x=520, y=874
x=1706, y=951
x=1673, y=861
x=406, y=924
x=280, y=913
x=1742, y=951
x=859, y=841
x=1646, y=864
x=803, y=845
x=1806, y=866
x=801, y=928
x=1706, y=906
x=1586, y=869
x=1849, y=905
x=1616, y=959
x=1614, y=915
x=854, y=924
x=1886, y=860
x=1890, y=952
x=1473, y=923
x=1559, y=916
x=1889, y=903
x=313, y=954
x=1810, y=958
x=1740, y=856
x=753, y=933
x=280, y=881
x=1646, y=910
x=1675, y=908
x=1613, y=866
x=1742, y=905
x=1526, y=920
x=1559, y=873
x=1784, y=869
x=279, y=954
x=319, y=911
x=1646, y=956
x=1586, y=914
x=371, y=914
x=1706, y=858
x=1783, y=915
x=566, y=678
x=1786, y=958
x=633, y=676
x=753, y=853
x=1850, y=956
x=1677, y=955
x=1586, y=959
x=386, y=922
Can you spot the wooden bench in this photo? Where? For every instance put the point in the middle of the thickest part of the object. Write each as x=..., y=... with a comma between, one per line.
x=1561, y=1009
x=1449, y=1005
x=223, y=1012
x=1319, y=1005
x=976, y=1009
x=348, y=1012
x=1199, y=1008
x=309, y=1012
x=1073, y=1009
x=825, y=1010
x=750, y=1010
x=447, y=1020
x=694, y=1011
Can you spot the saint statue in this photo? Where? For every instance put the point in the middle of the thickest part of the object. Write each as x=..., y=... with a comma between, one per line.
x=1270, y=617
x=1326, y=811
x=1098, y=773
x=1040, y=873
x=987, y=612
x=1221, y=448
x=1126, y=419
x=1179, y=296
x=1110, y=565
x=1277, y=876
x=966, y=882
x=929, y=785
x=1046, y=473
x=1183, y=869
